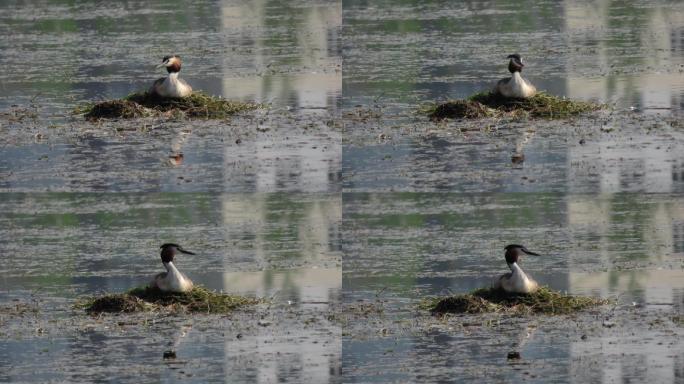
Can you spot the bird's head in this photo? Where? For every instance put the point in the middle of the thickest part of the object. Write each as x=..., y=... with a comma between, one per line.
x=172, y=63
x=514, y=251
x=516, y=63
x=168, y=251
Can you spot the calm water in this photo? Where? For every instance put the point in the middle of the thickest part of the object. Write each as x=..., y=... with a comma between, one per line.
x=61, y=246
x=628, y=55
x=84, y=206
x=429, y=207
x=339, y=201
x=59, y=55
x=400, y=248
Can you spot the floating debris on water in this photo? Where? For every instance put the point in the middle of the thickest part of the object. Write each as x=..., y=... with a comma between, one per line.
x=481, y=105
x=544, y=300
x=18, y=309
x=142, y=299
x=145, y=104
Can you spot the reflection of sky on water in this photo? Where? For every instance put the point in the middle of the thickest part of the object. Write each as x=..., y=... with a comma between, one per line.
x=641, y=156
x=278, y=160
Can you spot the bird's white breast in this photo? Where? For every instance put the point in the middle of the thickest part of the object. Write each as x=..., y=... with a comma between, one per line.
x=172, y=86
x=516, y=87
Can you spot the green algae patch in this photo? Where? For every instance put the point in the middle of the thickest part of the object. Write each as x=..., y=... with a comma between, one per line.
x=197, y=105
x=484, y=300
x=199, y=300
x=481, y=105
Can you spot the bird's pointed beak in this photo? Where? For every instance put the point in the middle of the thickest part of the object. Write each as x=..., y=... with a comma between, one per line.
x=162, y=65
x=530, y=252
x=184, y=251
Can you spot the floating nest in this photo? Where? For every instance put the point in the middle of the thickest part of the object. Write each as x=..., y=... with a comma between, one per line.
x=483, y=300
x=143, y=299
x=197, y=105
x=480, y=105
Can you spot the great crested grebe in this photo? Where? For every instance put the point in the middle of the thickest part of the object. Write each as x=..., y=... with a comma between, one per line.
x=516, y=281
x=171, y=86
x=172, y=280
x=515, y=86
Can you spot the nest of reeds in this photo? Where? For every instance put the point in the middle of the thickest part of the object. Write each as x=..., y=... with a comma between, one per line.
x=197, y=105
x=199, y=300
x=544, y=300
x=481, y=105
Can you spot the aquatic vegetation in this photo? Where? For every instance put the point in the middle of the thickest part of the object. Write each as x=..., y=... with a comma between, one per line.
x=544, y=300
x=197, y=105
x=199, y=300
x=480, y=105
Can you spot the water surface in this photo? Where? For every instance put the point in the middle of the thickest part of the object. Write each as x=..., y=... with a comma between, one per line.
x=403, y=247
x=61, y=247
x=401, y=55
x=60, y=55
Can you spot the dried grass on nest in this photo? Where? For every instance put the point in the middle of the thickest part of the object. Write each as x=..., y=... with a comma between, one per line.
x=544, y=300
x=141, y=299
x=480, y=105
x=197, y=105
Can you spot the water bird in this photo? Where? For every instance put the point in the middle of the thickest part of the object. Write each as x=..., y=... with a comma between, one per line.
x=515, y=86
x=172, y=280
x=517, y=280
x=171, y=85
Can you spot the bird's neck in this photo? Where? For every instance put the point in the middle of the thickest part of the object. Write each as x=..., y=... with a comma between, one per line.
x=515, y=268
x=173, y=76
x=170, y=268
